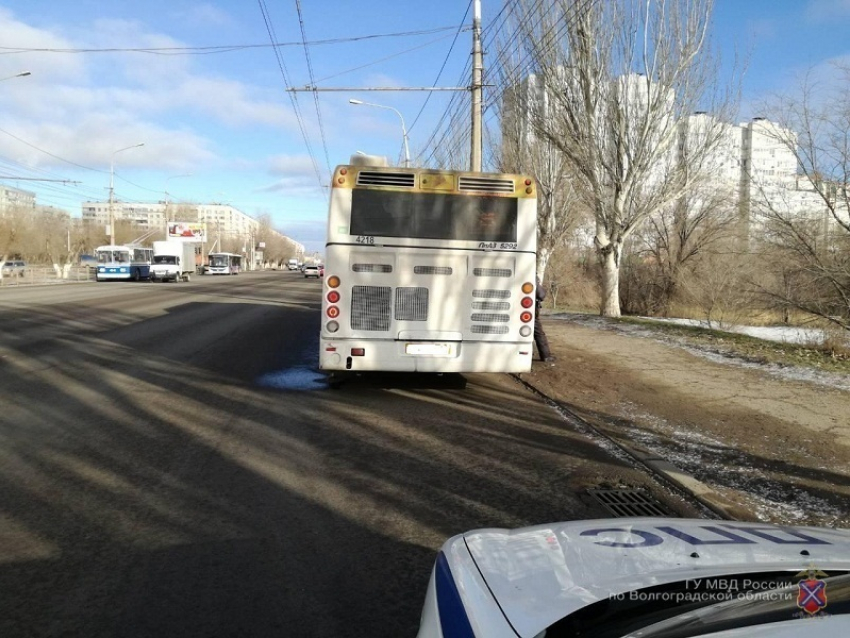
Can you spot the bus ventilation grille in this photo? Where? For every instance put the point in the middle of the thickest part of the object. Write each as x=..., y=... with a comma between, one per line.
x=491, y=305
x=374, y=178
x=370, y=308
x=372, y=268
x=492, y=272
x=485, y=185
x=634, y=502
x=490, y=318
x=491, y=294
x=432, y=270
x=411, y=304
x=490, y=330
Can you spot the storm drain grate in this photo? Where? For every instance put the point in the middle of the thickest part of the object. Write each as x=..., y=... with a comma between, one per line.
x=629, y=503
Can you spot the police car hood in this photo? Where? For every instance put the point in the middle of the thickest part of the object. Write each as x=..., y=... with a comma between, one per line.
x=541, y=574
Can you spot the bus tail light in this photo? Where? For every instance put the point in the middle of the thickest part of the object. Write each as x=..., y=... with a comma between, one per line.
x=528, y=288
x=527, y=302
x=358, y=352
x=333, y=297
x=526, y=317
x=333, y=281
x=332, y=326
x=525, y=331
x=333, y=312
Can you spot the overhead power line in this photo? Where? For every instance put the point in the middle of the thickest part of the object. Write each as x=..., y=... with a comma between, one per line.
x=224, y=48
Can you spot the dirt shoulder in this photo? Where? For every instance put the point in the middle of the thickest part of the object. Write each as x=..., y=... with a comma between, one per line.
x=774, y=444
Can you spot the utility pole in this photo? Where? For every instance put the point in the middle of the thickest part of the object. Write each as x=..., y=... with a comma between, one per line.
x=112, y=190
x=477, y=72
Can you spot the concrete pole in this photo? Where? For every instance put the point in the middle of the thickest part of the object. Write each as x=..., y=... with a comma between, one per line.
x=477, y=72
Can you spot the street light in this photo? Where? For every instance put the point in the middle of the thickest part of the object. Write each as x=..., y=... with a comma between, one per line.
x=403, y=127
x=17, y=75
x=166, y=196
x=112, y=190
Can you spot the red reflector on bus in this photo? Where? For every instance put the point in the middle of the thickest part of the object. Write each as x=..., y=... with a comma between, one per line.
x=527, y=302
x=333, y=297
x=333, y=312
x=358, y=352
x=525, y=317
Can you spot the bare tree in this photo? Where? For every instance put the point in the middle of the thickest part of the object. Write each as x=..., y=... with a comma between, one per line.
x=558, y=209
x=615, y=80
x=714, y=283
x=806, y=227
x=669, y=245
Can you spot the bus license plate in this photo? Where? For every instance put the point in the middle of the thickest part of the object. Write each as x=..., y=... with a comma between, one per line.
x=430, y=349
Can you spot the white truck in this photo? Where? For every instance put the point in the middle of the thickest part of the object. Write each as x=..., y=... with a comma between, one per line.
x=173, y=260
x=292, y=264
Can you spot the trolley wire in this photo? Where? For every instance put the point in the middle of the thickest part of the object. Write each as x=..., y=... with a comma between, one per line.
x=313, y=83
x=292, y=97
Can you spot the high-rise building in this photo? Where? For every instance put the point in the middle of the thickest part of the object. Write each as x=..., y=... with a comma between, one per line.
x=753, y=168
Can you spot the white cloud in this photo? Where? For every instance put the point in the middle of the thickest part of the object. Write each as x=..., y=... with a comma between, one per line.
x=827, y=10
x=205, y=14
x=16, y=35
x=82, y=106
x=300, y=165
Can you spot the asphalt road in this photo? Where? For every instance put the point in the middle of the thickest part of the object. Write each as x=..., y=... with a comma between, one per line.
x=172, y=464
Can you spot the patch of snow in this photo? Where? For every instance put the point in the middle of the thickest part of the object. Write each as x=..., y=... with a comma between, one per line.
x=777, y=334
x=723, y=467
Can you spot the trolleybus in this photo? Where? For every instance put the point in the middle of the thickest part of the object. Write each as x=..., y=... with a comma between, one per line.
x=224, y=264
x=429, y=271
x=123, y=262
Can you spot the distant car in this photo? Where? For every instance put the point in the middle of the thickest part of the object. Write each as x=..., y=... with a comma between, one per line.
x=14, y=268
x=648, y=577
x=88, y=261
x=321, y=270
x=312, y=270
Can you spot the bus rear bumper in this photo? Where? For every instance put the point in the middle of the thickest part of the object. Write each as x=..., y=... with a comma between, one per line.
x=465, y=356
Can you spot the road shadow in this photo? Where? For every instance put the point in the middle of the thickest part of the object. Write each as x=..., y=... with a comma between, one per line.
x=353, y=381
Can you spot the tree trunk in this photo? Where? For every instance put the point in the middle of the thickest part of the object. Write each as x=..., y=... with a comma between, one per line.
x=609, y=256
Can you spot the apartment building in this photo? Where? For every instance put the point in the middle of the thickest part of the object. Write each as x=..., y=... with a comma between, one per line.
x=220, y=219
x=15, y=199
x=753, y=168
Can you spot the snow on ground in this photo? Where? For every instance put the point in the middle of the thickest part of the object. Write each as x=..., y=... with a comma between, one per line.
x=716, y=463
x=781, y=334
x=775, y=333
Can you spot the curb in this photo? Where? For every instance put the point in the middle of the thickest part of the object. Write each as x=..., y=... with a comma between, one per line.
x=660, y=467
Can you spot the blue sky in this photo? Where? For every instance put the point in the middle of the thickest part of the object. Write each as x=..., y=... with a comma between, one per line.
x=218, y=124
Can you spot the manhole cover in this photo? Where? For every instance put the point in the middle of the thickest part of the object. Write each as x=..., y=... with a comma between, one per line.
x=629, y=503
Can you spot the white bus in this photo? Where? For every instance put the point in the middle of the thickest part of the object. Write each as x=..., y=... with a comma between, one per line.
x=224, y=264
x=429, y=271
x=123, y=262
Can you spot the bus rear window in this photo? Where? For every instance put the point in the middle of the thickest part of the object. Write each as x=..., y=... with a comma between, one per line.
x=433, y=216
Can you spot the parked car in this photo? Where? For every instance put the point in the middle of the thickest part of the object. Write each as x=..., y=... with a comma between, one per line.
x=312, y=270
x=14, y=268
